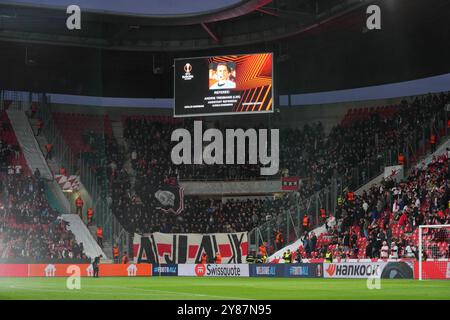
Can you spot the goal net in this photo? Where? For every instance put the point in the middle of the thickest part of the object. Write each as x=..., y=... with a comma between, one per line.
x=434, y=252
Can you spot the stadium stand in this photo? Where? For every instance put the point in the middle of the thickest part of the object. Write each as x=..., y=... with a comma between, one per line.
x=89, y=136
x=199, y=215
x=307, y=152
x=145, y=134
x=73, y=126
x=391, y=212
x=30, y=229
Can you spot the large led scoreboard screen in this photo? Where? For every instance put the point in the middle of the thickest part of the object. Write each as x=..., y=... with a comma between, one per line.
x=234, y=84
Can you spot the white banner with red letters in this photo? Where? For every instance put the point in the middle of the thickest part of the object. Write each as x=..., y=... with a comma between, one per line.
x=68, y=183
x=180, y=248
x=395, y=173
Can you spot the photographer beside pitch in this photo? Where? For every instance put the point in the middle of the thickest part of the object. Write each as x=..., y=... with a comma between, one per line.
x=95, y=265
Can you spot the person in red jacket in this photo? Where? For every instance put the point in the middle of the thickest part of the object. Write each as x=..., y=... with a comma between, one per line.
x=125, y=258
x=62, y=171
x=49, y=148
x=279, y=241
x=40, y=126
x=116, y=253
x=403, y=220
x=433, y=140
x=33, y=109
x=323, y=214
x=263, y=250
x=90, y=216
x=305, y=222
x=401, y=159
x=100, y=236
x=218, y=258
x=204, y=258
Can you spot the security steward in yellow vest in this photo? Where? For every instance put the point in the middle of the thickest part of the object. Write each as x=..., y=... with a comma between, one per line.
x=287, y=256
x=264, y=258
x=329, y=256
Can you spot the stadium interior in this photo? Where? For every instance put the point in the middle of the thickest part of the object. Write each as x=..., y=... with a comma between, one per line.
x=88, y=115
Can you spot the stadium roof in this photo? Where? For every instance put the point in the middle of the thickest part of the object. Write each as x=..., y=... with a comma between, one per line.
x=170, y=27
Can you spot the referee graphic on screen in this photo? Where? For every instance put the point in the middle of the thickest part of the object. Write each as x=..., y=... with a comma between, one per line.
x=222, y=75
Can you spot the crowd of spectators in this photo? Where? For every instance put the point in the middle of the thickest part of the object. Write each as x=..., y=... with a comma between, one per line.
x=199, y=215
x=383, y=222
x=150, y=146
x=358, y=151
x=29, y=228
x=308, y=152
x=103, y=154
x=8, y=150
x=149, y=142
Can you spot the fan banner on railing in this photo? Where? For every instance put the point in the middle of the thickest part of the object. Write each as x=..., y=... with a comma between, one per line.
x=170, y=198
x=174, y=248
x=290, y=183
x=394, y=172
x=68, y=183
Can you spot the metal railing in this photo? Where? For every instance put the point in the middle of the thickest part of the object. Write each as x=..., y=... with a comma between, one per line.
x=290, y=223
x=76, y=164
x=414, y=147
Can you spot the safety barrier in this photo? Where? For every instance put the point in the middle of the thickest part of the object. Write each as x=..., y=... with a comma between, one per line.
x=342, y=270
x=66, y=270
x=433, y=270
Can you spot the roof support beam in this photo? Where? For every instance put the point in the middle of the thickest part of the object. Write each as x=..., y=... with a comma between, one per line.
x=269, y=12
x=211, y=34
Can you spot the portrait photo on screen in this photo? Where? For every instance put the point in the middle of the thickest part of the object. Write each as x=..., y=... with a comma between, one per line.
x=222, y=75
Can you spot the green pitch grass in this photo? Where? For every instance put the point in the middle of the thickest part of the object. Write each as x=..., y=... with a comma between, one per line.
x=189, y=288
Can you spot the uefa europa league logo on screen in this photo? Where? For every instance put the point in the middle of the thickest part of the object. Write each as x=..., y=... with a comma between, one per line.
x=187, y=72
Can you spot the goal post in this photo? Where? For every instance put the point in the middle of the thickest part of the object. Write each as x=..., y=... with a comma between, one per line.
x=434, y=255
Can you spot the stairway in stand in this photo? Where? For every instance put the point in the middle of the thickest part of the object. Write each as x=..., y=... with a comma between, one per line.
x=107, y=245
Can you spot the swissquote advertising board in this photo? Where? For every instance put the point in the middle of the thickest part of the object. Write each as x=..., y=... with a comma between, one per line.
x=213, y=270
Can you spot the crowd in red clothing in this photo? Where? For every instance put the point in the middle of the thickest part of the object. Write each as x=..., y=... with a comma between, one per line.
x=307, y=152
x=29, y=228
x=389, y=215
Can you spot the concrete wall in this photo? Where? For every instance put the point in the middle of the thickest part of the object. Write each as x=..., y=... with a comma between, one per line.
x=328, y=114
x=219, y=188
x=291, y=117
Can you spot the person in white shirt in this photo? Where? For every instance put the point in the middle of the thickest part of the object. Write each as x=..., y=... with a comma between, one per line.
x=409, y=252
x=365, y=207
x=394, y=251
x=384, y=253
x=223, y=74
x=417, y=203
x=331, y=221
x=395, y=207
